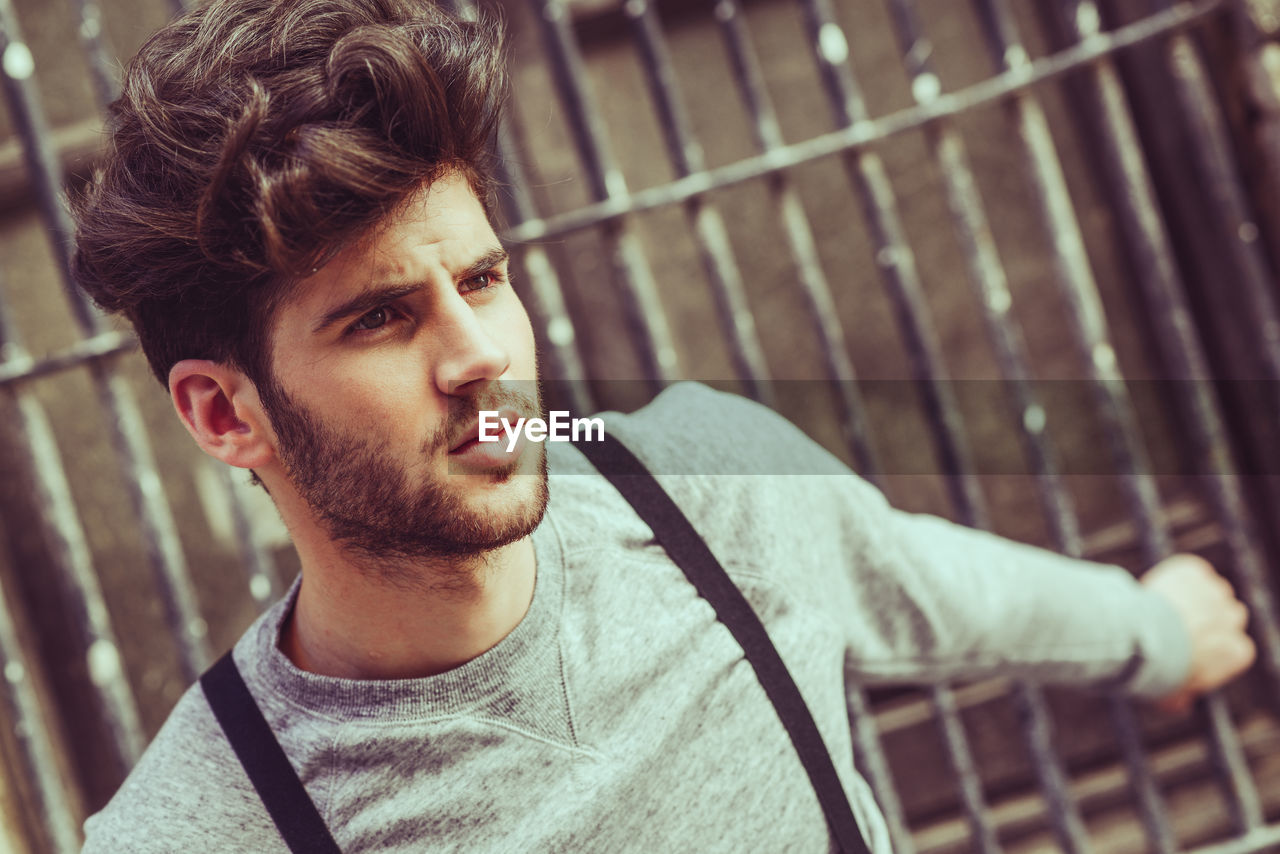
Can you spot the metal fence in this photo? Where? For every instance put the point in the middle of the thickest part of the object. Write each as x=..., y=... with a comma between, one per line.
x=1129, y=229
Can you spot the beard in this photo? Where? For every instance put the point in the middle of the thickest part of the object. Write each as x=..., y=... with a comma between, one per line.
x=369, y=504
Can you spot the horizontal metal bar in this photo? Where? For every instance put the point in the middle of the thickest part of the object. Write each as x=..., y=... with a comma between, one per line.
x=1265, y=838
x=864, y=133
x=21, y=368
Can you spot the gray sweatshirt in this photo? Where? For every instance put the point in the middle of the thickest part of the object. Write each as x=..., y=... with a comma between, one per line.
x=619, y=715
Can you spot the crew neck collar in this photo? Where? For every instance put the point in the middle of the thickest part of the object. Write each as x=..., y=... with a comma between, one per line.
x=502, y=668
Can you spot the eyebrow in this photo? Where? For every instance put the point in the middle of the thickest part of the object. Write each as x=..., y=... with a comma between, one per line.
x=379, y=295
x=486, y=262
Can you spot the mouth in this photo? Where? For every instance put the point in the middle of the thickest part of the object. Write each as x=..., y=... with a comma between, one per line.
x=470, y=436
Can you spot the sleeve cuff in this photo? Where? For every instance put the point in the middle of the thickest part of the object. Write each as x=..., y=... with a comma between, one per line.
x=1162, y=657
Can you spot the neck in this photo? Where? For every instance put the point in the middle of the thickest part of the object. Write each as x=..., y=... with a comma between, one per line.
x=409, y=620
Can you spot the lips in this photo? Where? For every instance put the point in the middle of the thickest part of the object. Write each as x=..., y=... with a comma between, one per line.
x=471, y=434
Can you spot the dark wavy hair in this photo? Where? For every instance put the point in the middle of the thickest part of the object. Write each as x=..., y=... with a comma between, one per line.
x=256, y=138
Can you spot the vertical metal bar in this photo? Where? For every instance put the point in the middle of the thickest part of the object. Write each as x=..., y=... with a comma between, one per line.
x=164, y=551
x=1072, y=267
x=708, y=225
x=795, y=225
x=72, y=563
x=1257, y=58
x=747, y=73
x=20, y=706
x=902, y=282
x=1213, y=160
x=1180, y=347
x=987, y=274
x=897, y=261
x=1113, y=405
x=605, y=182
x=261, y=572
x=127, y=429
x=1216, y=165
x=101, y=66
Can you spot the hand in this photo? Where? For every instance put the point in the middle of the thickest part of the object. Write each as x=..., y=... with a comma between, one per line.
x=1215, y=620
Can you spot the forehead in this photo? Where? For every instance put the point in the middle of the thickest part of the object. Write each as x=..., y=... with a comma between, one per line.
x=441, y=221
x=439, y=229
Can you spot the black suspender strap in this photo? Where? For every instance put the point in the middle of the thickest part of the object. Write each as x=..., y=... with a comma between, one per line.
x=686, y=547
x=287, y=802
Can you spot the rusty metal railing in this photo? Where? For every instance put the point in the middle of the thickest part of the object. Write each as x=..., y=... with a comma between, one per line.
x=1016, y=83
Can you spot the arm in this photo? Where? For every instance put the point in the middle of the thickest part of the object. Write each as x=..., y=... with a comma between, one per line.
x=918, y=598
x=979, y=605
x=940, y=601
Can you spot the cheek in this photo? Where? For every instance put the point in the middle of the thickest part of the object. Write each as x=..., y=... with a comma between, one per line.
x=393, y=408
x=386, y=392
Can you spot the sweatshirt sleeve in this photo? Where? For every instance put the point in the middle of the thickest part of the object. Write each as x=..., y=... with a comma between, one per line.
x=918, y=599
x=935, y=601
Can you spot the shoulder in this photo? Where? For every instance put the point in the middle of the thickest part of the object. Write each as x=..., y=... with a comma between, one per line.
x=188, y=792
x=751, y=482
x=691, y=428
x=720, y=454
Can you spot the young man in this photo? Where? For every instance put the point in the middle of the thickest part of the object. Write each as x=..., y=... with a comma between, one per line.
x=292, y=215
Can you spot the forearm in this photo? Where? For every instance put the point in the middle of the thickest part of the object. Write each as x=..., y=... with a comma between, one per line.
x=971, y=605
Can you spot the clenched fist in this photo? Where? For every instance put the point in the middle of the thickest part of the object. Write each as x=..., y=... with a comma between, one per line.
x=1215, y=620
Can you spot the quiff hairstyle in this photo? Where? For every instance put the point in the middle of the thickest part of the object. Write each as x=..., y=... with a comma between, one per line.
x=256, y=138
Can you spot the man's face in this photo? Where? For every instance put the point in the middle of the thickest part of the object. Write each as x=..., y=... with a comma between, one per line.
x=381, y=362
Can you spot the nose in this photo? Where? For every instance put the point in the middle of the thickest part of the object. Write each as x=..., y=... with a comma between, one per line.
x=467, y=352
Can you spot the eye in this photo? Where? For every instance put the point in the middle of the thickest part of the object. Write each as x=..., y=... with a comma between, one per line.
x=483, y=282
x=372, y=320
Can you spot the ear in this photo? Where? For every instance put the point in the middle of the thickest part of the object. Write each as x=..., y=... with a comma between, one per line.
x=219, y=406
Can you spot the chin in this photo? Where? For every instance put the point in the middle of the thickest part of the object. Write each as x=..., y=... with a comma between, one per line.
x=506, y=490
x=523, y=481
